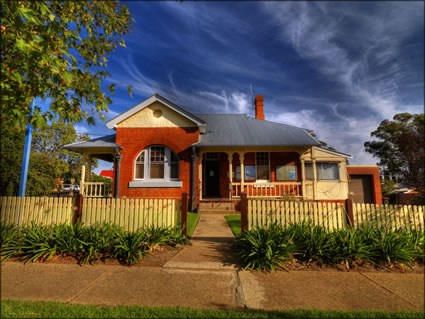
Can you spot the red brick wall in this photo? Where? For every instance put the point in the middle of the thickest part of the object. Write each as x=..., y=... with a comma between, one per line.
x=134, y=140
x=376, y=181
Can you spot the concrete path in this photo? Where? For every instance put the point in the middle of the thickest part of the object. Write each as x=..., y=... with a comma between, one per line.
x=213, y=289
x=211, y=246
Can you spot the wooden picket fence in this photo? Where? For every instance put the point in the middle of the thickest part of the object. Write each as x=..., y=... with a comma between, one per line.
x=40, y=210
x=333, y=215
x=389, y=216
x=265, y=211
x=132, y=214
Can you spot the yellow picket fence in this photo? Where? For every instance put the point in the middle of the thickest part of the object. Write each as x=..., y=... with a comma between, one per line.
x=389, y=216
x=132, y=214
x=41, y=210
x=265, y=211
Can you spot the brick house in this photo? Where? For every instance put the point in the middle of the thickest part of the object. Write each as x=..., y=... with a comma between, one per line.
x=161, y=150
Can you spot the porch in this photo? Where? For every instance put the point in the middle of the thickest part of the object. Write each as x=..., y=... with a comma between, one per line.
x=103, y=148
x=260, y=173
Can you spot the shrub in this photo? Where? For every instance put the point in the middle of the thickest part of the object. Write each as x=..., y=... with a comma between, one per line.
x=37, y=243
x=264, y=248
x=268, y=247
x=8, y=241
x=130, y=246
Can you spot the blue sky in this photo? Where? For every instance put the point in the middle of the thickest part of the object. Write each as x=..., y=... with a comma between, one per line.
x=338, y=68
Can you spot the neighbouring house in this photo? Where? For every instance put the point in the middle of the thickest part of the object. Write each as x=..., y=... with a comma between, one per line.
x=161, y=150
x=107, y=173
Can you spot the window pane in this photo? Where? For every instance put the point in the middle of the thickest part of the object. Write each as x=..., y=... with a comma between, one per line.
x=263, y=172
x=157, y=170
x=308, y=171
x=141, y=158
x=286, y=172
x=140, y=168
x=238, y=173
x=157, y=154
x=174, y=171
x=173, y=157
x=328, y=171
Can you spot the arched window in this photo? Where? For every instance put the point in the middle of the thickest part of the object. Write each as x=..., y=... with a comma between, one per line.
x=156, y=163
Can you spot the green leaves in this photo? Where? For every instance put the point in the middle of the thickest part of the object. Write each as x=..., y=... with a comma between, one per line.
x=57, y=50
x=269, y=247
x=87, y=244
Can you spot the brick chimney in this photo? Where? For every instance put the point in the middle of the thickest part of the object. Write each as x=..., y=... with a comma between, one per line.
x=259, y=107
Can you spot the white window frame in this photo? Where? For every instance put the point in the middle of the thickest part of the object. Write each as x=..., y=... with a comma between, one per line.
x=147, y=181
x=317, y=171
x=262, y=180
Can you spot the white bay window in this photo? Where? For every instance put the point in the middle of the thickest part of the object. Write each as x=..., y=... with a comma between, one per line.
x=156, y=166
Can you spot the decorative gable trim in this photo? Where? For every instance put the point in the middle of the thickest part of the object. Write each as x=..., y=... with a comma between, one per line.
x=154, y=98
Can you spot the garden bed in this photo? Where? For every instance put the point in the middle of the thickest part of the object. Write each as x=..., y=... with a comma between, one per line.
x=96, y=244
x=156, y=258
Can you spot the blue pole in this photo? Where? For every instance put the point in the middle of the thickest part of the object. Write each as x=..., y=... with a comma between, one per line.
x=25, y=161
x=24, y=168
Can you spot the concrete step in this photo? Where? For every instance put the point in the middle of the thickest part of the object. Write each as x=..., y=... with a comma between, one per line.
x=219, y=212
x=217, y=205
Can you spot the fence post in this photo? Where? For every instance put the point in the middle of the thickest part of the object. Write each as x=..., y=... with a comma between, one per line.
x=349, y=210
x=184, y=214
x=244, y=212
x=78, y=208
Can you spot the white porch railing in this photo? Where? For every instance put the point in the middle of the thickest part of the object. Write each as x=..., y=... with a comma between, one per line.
x=95, y=189
x=272, y=190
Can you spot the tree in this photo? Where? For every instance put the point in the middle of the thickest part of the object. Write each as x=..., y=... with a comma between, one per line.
x=57, y=51
x=400, y=147
x=48, y=159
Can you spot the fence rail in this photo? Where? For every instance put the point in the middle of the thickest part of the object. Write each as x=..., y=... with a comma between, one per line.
x=332, y=215
x=132, y=214
x=41, y=210
x=265, y=211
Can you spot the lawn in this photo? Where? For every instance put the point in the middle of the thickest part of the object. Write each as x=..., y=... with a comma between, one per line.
x=234, y=222
x=192, y=221
x=21, y=309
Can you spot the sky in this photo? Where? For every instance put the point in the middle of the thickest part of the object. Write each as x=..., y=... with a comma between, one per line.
x=338, y=68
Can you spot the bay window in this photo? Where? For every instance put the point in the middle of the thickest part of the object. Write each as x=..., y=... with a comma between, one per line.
x=156, y=166
x=324, y=171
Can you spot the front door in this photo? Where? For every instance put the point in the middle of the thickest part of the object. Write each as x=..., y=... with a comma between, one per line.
x=212, y=178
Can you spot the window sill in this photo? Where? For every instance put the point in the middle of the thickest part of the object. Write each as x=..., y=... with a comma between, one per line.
x=142, y=184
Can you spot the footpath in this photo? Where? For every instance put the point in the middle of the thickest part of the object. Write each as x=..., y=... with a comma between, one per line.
x=206, y=275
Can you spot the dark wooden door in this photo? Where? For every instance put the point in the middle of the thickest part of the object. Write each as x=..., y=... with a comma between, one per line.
x=212, y=179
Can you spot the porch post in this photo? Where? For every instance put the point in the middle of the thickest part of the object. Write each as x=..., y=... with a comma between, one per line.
x=303, y=178
x=117, y=174
x=201, y=157
x=241, y=159
x=230, y=158
x=83, y=174
x=313, y=164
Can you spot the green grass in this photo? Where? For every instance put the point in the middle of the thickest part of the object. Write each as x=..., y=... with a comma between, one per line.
x=21, y=309
x=234, y=222
x=192, y=221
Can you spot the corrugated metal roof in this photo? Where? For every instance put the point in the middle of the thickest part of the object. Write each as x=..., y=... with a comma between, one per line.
x=106, y=142
x=241, y=130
